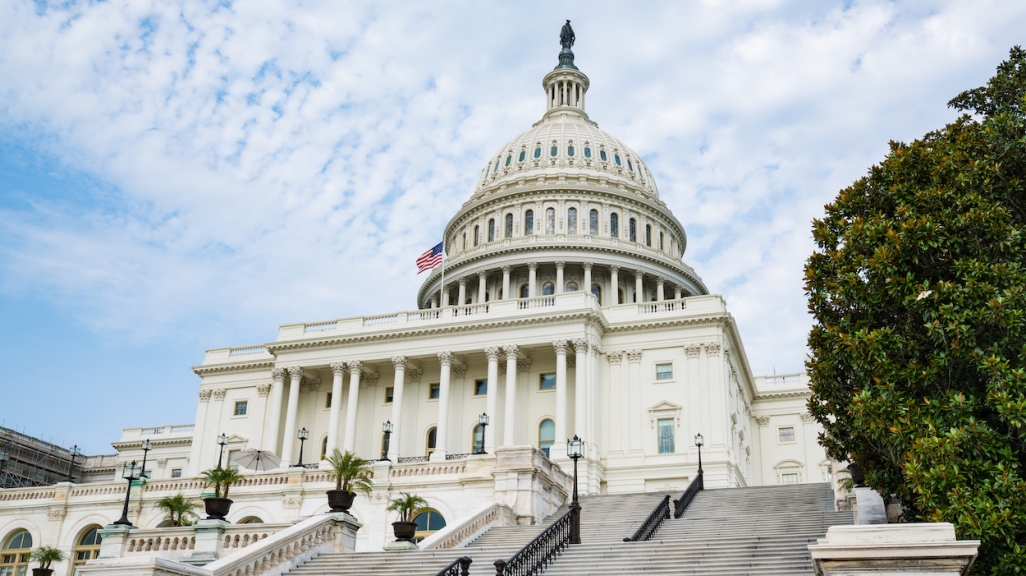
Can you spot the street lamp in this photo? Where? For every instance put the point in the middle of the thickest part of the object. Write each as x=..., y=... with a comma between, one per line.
x=130, y=473
x=575, y=449
x=222, y=440
x=74, y=452
x=483, y=421
x=303, y=435
x=699, y=440
x=146, y=447
x=387, y=429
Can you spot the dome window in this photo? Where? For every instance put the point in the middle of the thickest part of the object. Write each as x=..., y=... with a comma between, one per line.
x=629, y=165
x=548, y=289
x=596, y=291
x=572, y=287
x=550, y=220
x=570, y=150
x=523, y=154
x=616, y=158
x=496, y=169
x=571, y=221
x=537, y=152
x=614, y=225
x=491, y=230
x=633, y=230
x=587, y=152
x=509, y=159
x=554, y=151
x=529, y=222
x=602, y=155
x=509, y=225
x=648, y=235
x=593, y=223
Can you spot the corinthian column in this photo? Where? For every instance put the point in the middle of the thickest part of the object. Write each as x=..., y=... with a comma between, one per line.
x=659, y=288
x=492, y=352
x=295, y=377
x=581, y=388
x=559, y=276
x=506, y=295
x=587, y=278
x=639, y=288
x=482, y=287
x=560, y=441
x=463, y=292
x=395, y=444
x=532, y=279
x=509, y=428
x=274, y=409
x=442, y=428
x=349, y=441
x=338, y=369
x=614, y=283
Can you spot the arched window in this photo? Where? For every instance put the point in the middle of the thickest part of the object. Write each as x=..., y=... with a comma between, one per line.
x=525, y=291
x=602, y=155
x=87, y=547
x=523, y=154
x=616, y=157
x=572, y=287
x=478, y=440
x=648, y=235
x=633, y=230
x=596, y=291
x=477, y=235
x=528, y=222
x=587, y=152
x=550, y=220
x=537, y=152
x=629, y=165
x=432, y=437
x=554, y=151
x=614, y=225
x=14, y=558
x=571, y=221
x=324, y=448
x=660, y=240
x=570, y=150
x=546, y=435
x=496, y=167
x=491, y=230
x=548, y=289
x=428, y=522
x=510, y=159
x=593, y=222
x=509, y=225
x=250, y=520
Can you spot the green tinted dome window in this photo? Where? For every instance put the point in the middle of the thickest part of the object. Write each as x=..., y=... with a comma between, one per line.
x=570, y=151
x=523, y=154
x=629, y=165
x=19, y=541
x=554, y=151
x=616, y=157
x=602, y=155
x=509, y=159
x=537, y=152
x=496, y=167
x=587, y=152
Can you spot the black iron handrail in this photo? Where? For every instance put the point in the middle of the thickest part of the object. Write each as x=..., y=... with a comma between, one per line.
x=538, y=553
x=681, y=504
x=655, y=518
x=412, y=459
x=458, y=567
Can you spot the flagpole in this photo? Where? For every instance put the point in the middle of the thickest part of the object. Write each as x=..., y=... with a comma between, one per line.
x=441, y=293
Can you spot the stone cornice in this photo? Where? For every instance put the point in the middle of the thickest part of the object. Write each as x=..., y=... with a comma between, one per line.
x=806, y=393
x=232, y=367
x=130, y=444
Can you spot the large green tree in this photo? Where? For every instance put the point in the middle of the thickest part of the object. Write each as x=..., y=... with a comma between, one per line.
x=918, y=352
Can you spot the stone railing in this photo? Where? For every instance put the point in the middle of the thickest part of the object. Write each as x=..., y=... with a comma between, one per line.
x=248, y=351
x=177, y=543
x=454, y=535
x=783, y=379
x=429, y=469
x=540, y=302
x=662, y=306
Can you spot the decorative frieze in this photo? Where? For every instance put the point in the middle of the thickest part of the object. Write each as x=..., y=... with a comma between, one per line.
x=56, y=513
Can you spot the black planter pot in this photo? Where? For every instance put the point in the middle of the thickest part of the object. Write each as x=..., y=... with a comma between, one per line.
x=42, y=572
x=858, y=477
x=217, y=508
x=340, y=500
x=404, y=531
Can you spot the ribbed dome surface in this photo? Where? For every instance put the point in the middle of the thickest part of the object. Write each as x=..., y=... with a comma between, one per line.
x=566, y=142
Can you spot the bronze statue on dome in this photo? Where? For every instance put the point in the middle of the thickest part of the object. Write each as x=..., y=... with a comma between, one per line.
x=566, y=36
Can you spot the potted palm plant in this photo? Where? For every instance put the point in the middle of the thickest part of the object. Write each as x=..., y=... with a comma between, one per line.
x=352, y=474
x=178, y=510
x=45, y=556
x=220, y=478
x=407, y=506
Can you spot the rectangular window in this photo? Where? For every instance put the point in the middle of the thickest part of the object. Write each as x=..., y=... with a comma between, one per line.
x=789, y=478
x=666, y=444
x=232, y=455
x=787, y=434
x=434, y=391
x=388, y=394
x=481, y=387
x=664, y=371
x=548, y=382
x=327, y=400
x=176, y=472
x=240, y=407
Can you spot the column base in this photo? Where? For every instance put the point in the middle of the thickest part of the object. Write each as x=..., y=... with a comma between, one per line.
x=398, y=546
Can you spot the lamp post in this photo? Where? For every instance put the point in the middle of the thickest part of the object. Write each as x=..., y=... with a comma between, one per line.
x=4, y=457
x=222, y=440
x=483, y=421
x=387, y=429
x=698, y=442
x=146, y=447
x=303, y=435
x=574, y=449
x=74, y=452
x=130, y=474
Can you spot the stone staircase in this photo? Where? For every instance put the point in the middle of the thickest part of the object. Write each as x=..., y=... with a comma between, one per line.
x=761, y=530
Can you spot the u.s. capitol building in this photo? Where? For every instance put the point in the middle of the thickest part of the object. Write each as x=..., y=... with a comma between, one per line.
x=567, y=309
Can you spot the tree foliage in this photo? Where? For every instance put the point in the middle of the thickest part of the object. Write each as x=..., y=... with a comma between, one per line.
x=221, y=479
x=918, y=352
x=178, y=510
x=350, y=472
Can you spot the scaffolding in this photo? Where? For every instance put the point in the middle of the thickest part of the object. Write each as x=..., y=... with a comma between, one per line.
x=34, y=462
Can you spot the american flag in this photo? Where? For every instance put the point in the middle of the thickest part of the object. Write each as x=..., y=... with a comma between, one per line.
x=430, y=259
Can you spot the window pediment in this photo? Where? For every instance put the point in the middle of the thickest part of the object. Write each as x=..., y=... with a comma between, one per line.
x=665, y=409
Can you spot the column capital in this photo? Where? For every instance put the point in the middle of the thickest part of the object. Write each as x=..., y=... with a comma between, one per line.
x=634, y=355
x=355, y=366
x=532, y=266
x=587, y=265
x=560, y=264
x=445, y=358
x=492, y=352
x=660, y=280
x=512, y=351
x=399, y=362
x=581, y=345
x=506, y=269
x=712, y=348
x=278, y=374
x=295, y=372
x=204, y=395
x=561, y=347
x=338, y=368
x=415, y=375
x=614, y=268
x=263, y=389
x=459, y=370
x=614, y=356
x=639, y=274
x=219, y=393
x=463, y=281
x=692, y=350
x=482, y=274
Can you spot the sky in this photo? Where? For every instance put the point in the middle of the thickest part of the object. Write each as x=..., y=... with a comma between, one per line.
x=183, y=175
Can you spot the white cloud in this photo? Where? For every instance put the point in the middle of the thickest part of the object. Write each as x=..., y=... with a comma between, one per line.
x=276, y=163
